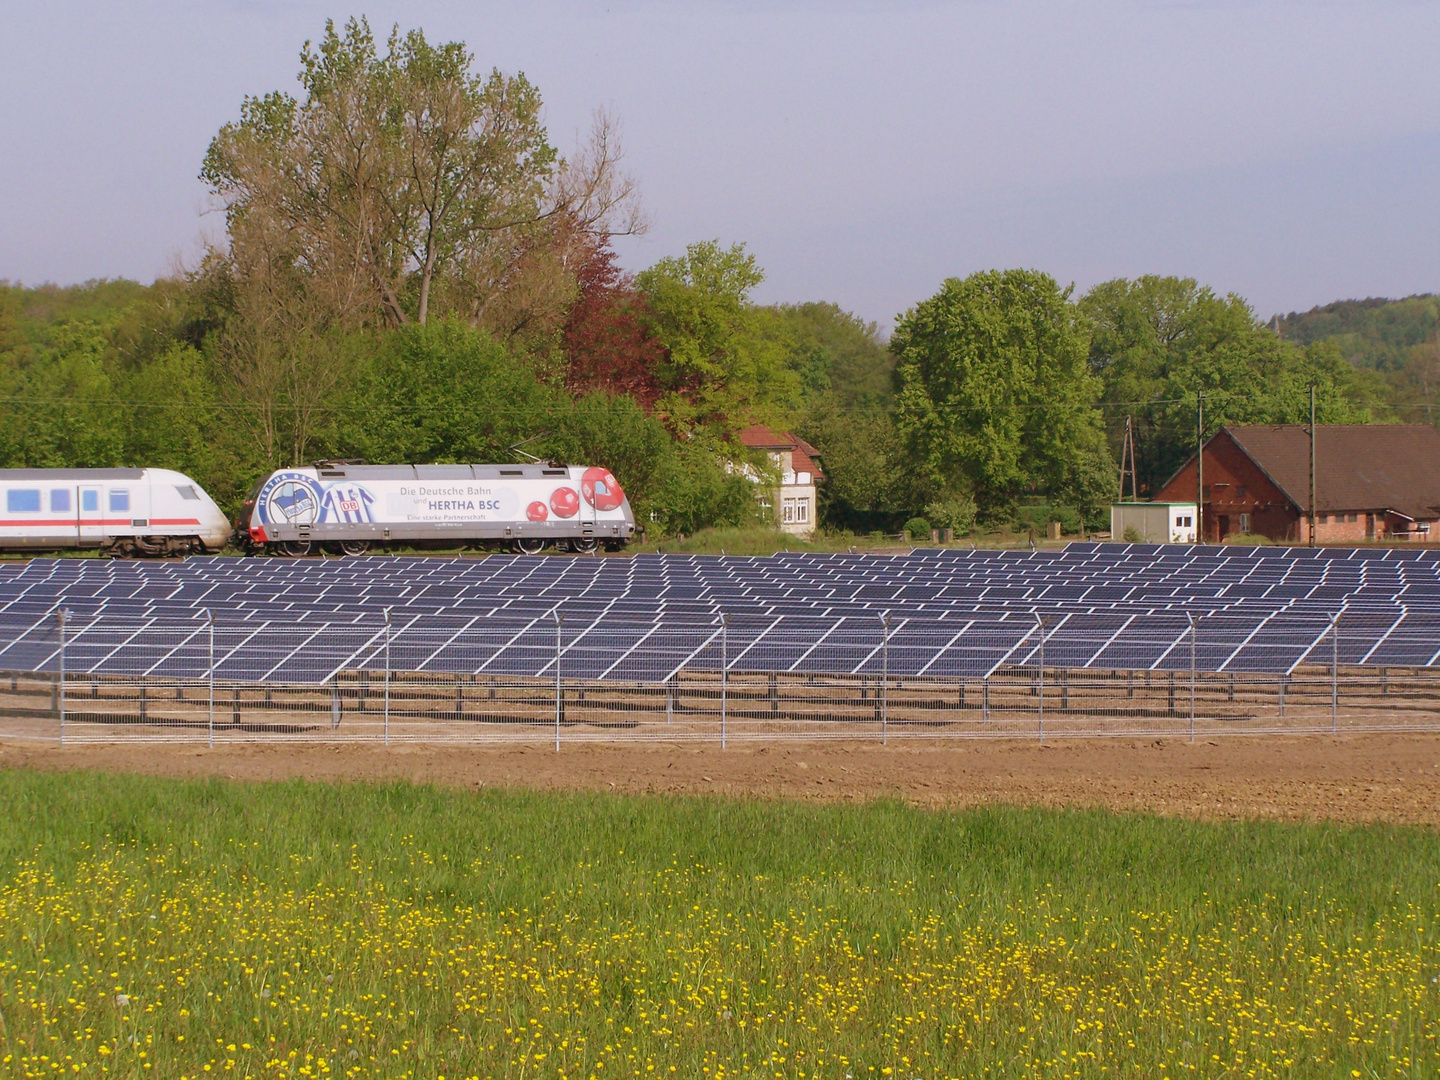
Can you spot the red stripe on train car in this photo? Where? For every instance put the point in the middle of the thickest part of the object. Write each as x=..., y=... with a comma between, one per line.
x=31, y=523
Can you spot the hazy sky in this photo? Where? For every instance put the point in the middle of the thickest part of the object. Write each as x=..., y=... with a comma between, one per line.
x=864, y=152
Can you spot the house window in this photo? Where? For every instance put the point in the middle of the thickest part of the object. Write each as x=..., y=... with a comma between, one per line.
x=802, y=510
x=1184, y=521
x=60, y=500
x=1242, y=492
x=1351, y=517
x=24, y=501
x=1244, y=523
x=1323, y=519
x=119, y=501
x=789, y=511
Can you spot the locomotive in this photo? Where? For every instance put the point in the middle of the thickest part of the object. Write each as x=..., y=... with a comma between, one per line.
x=123, y=512
x=348, y=508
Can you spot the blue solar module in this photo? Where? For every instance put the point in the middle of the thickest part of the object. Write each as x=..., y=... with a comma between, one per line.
x=952, y=613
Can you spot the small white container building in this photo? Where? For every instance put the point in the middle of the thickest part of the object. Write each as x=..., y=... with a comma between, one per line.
x=1154, y=522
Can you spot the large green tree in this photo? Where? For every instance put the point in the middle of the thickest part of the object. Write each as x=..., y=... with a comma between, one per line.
x=725, y=361
x=996, y=395
x=404, y=185
x=839, y=356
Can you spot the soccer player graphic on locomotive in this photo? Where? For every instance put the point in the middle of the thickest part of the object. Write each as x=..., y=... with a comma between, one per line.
x=349, y=508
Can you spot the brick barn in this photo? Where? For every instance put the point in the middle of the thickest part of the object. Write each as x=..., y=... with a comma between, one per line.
x=1372, y=482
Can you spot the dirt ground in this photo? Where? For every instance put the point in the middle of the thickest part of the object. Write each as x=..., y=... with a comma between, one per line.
x=1379, y=777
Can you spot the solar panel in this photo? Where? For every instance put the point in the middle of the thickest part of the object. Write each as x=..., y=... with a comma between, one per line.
x=952, y=613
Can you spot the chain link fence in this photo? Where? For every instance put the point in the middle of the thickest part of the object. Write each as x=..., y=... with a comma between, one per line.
x=424, y=679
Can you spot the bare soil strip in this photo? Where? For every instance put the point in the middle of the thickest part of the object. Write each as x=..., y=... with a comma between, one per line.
x=1391, y=778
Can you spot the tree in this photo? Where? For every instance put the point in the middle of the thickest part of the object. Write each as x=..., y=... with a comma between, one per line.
x=721, y=366
x=607, y=338
x=173, y=416
x=444, y=392
x=58, y=405
x=869, y=482
x=404, y=186
x=995, y=392
x=1158, y=341
x=839, y=354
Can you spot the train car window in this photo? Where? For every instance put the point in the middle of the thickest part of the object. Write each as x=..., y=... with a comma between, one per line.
x=59, y=500
x=512, y=472
x=90, y=501
x=187, y=492
x=119, y=501
x=23, y=501
x=557, y=472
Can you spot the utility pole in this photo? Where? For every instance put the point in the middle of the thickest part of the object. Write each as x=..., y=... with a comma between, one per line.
x=1312, y=464
x=1127, y=454
x=1199, y=467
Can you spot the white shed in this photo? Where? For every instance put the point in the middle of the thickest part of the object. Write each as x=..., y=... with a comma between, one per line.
x=1153, y=522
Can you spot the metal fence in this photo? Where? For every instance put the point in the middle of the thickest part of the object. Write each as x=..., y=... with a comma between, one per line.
x=211, y=682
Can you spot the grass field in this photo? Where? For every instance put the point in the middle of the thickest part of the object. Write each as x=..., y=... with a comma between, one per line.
x=164, y=929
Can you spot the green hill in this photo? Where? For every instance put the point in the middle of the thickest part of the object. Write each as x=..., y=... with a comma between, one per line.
x=1374, y=333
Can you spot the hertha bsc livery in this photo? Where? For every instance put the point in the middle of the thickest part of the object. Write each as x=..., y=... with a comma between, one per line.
x=347, y=502
x=352, y=507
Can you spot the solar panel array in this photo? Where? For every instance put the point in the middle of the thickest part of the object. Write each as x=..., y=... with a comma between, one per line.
x=948, y=612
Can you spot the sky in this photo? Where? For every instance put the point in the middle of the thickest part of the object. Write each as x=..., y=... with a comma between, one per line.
x=863, y=152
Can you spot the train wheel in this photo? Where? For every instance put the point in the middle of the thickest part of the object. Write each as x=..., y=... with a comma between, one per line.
x=354, y=547
x=294, y=549
x=531, y=545
x=584, y=545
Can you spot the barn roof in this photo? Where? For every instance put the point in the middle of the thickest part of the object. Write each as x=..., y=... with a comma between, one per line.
x=1357, y=466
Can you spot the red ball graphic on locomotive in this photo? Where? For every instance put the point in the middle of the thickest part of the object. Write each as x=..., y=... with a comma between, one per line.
x=536, y=511
x=565, y=502
x=601, y=489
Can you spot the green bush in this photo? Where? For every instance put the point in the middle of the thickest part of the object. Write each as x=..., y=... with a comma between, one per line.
x=1038, y=517
x=1133, y=535
x=952, y=512
x=917, y=528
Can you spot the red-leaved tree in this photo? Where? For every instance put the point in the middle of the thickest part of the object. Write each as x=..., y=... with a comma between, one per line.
x=608, y=343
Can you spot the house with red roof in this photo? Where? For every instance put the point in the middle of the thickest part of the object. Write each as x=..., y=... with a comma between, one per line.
x=1371, y=482
x=794, y=500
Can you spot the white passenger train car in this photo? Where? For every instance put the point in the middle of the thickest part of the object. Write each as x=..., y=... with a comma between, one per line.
x=123, y=512
x=350, y=508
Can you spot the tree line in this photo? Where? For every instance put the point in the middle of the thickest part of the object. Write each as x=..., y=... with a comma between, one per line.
x=412, y=271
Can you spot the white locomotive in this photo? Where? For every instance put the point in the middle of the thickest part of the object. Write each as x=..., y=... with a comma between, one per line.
x=123, y=512
x=349, y=508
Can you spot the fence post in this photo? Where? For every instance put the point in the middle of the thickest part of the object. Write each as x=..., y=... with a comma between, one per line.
x=985, y=700
x=1334, y=672
x=60, y=703
x=387, y=676
x=724, y=671
x=210, y=678
x=1040, y=675
x=559, y=685
x=1194, y=624
x=885, y=680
